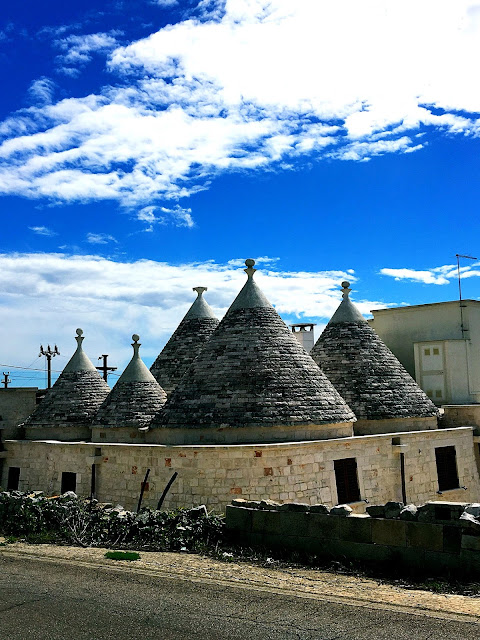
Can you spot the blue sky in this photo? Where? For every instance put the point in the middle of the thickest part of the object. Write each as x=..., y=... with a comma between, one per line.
x=147, y=147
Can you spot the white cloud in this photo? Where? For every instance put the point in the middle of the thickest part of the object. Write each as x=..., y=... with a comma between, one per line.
x=47, y=296
x=100, y=238
x=79, y=49
x=346, y=87
x=165, y=3
x=240, y=262
x=181, y=216
x=42, y=90
x=436, y=275
x=177, y=216
x=43, y=231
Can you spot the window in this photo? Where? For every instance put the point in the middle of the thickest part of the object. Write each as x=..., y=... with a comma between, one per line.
x=446, y=459
x=347, y=480
x=13, y=478
x=438, y=393
x=69, y=481
x=436, y=352
x=427, y=352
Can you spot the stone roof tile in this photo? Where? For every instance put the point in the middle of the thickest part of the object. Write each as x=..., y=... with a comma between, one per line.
x=75, y=396
x=253, y=372
x=365, y=371
x=135, y=398
x=185, y=344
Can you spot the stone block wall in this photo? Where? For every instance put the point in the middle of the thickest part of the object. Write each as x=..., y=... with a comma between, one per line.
x=457, y=415
x=434, y=547
x=214, y=474
x=16, y=404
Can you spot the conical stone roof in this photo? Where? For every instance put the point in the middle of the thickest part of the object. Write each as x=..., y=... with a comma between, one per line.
x=365, y=371
x=76, y=395
x=253, y=373
x=185, y=344
x=135, y=398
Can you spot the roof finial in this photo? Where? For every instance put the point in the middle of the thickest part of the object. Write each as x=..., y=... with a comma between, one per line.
x=79, y=338
x=345, y=289
x=199, y=290
x=250, y=270
x=136, y=345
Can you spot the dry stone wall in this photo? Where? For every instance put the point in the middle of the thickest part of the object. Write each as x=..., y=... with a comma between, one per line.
x=437, y=538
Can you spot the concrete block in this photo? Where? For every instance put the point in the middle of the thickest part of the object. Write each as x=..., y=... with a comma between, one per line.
x=470, y=542
x=355, y=529
x=470, y=562
x=322, y=526
x=238, y=518
x=452, y=539
x=276, y=522
x=389, y=532
x=425, y=535
x=438, y=563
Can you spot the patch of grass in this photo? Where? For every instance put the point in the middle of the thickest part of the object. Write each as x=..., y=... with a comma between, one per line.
x=122, y=555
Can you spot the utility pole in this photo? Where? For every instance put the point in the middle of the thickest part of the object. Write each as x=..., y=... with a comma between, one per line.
x=458, y=256
x=49, y=354
x=6, y=380
x=105, y=369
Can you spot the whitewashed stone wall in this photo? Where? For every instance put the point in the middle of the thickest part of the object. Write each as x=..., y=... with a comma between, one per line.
x=213, y=474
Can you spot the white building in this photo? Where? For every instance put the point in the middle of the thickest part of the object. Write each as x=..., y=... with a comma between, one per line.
x=439, y=345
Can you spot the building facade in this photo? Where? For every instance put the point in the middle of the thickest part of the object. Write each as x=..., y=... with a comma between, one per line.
x=438, y=344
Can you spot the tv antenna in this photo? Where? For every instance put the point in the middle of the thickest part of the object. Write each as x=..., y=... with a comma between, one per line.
x=458, y=256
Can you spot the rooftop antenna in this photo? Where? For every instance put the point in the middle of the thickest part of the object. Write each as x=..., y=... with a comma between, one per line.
x=49, y=354
x=458, y=256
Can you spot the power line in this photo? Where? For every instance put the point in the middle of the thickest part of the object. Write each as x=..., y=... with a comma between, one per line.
x=13, y=366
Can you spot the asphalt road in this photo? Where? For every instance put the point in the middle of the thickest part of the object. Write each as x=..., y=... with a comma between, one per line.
x=47, y=600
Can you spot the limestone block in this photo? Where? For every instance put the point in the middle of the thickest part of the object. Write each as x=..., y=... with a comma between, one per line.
x=319, y=508
x=294, y=506
x=389, y=532
x=376, y=510
x=268, y=505
x=467, y=521
x=409, y=512
x=343, y=510
x=473, y=510
x=393, y=509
